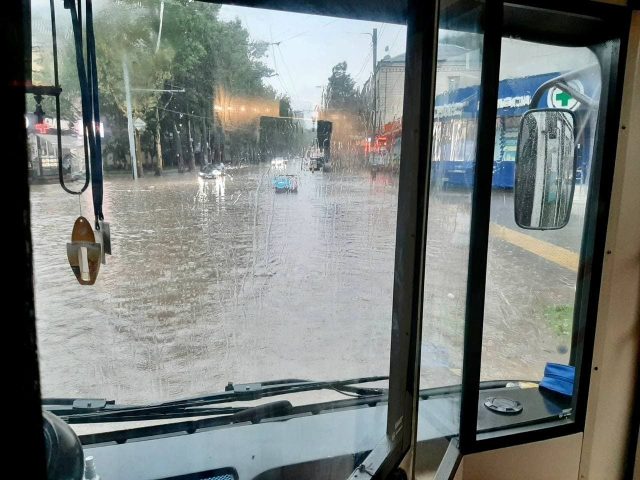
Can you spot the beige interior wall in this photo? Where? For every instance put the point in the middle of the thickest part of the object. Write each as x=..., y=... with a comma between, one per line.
x=556, y=459
x=611, y=396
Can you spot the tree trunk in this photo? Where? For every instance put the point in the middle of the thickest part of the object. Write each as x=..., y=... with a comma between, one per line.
x=210, y=144
x=159, y=163
x=178, y=143
x=204, y=144
x=192, y=158
x=138, y=153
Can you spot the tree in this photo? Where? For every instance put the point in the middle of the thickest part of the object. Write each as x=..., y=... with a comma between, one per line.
x=210, y=59
x=215, y=62
x=125, y=35
x=341, y=93
x=346, y=107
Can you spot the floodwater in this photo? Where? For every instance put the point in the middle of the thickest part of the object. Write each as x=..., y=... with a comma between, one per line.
x=213, y=281
x=216, y=281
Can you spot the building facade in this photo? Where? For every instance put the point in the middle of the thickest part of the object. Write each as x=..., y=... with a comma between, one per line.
x=457, y=68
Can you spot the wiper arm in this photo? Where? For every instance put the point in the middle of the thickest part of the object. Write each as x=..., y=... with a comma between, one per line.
x=100, y=410
x=251, y=391
x=235, y=415
x=62, y=406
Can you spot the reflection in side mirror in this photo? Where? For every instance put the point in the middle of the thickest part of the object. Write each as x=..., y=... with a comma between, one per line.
x=545, y=169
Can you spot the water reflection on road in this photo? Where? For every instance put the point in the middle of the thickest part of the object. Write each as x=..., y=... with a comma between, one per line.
x=217, y=280
x=223, y=280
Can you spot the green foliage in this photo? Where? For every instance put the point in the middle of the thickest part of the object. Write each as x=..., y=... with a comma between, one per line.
x=346, y=107
x=209, y=58
x=341, y=93
x=560, y=319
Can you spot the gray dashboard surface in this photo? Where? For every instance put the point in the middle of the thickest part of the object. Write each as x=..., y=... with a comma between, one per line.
x=252, y=449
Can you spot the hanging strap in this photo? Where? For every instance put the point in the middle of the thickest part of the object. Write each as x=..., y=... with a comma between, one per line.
x=96, y=170
x=88, y=79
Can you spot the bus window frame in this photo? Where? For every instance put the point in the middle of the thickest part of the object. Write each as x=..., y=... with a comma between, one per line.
x=403, y=382
x=592, y=253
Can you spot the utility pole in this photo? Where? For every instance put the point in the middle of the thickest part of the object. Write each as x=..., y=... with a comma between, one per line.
x=322, y=97
x=127, y=90
x=132, y=147
x=160, y=29
x=374, y=37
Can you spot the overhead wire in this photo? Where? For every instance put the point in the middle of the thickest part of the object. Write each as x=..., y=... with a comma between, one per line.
x=182, y=113
x=382, y=27
x=302, y=33
x=395, y=39
x=291, y=28
x=290, y=77
x=275, y=66
x=366, y=60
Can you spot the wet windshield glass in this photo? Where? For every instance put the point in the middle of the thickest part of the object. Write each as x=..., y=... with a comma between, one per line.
x=257, y=243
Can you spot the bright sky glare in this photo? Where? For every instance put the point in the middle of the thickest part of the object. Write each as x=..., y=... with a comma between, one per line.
x=310, y=45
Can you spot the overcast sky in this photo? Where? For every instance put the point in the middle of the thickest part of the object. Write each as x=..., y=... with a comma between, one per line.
x=311, y=45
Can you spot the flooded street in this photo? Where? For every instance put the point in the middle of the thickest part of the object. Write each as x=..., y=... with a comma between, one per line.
x=223, y=280
x=215, y=281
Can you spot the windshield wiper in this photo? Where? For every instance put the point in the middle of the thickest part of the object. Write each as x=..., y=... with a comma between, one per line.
x=234, y=415
x=76, y=411
x=101, y=410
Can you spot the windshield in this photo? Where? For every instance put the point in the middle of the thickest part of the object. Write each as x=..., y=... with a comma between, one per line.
x=275, y=267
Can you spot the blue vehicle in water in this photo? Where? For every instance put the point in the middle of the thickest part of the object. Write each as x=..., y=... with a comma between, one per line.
x=285, y=183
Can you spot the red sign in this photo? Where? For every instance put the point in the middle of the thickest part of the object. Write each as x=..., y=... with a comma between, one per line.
x=42, y=127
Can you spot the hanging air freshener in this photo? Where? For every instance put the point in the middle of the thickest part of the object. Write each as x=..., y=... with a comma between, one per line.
x=84, y=253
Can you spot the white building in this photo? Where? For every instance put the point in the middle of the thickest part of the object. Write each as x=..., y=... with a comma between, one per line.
x=457, y=67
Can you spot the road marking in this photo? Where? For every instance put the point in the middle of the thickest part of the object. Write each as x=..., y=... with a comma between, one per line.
x=546, y=250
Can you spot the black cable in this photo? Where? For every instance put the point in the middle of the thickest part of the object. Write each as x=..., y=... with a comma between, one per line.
x=96, y=166
x=54, y=38
x=87, y=104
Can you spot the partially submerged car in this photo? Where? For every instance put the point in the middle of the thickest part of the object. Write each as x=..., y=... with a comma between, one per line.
x=212, y=171
x=285, y=183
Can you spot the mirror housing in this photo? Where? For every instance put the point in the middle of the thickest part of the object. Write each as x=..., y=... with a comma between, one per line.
x=545, y=169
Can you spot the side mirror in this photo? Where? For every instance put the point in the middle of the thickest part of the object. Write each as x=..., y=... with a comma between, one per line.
x=545, y=169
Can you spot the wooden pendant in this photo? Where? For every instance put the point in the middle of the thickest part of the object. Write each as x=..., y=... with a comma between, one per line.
x=83, y=253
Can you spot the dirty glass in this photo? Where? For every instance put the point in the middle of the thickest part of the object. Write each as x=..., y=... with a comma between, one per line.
x=532, y=274
x=251, y=191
